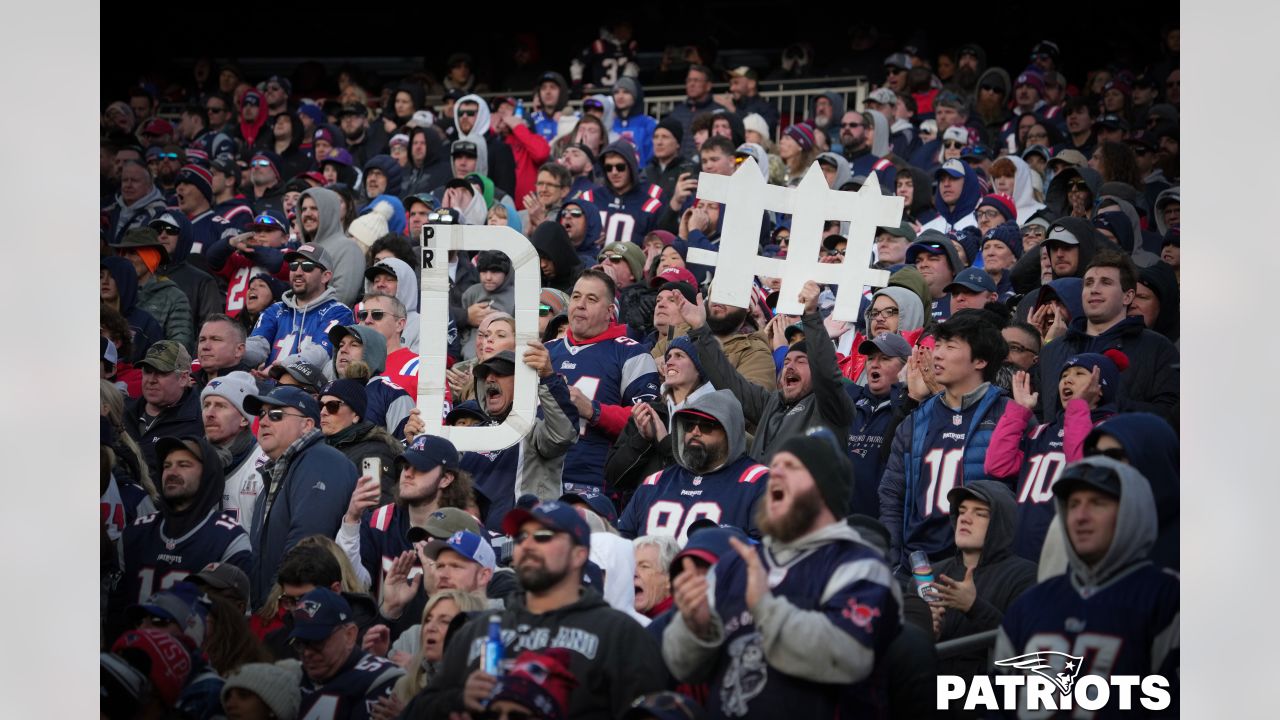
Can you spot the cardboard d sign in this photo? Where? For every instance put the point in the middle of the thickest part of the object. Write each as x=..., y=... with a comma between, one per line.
x=437, y=241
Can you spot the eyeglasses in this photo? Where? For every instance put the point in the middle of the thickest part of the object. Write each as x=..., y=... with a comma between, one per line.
x=304, y=265
x=277, y=414
x=835, y=253
x=572, y=212
x=987, y=214
x=467, y=113
x=332, y=406
x=1017, y=348
x=261, y=163
x=1038, y=135
x=851, y=125
x=547, y=185
x=377, y=315
x=952, y=144
x=885, y=313
x=542, y=537
x=615, y=167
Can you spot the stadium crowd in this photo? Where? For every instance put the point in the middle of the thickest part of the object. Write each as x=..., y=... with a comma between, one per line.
x=718, y=511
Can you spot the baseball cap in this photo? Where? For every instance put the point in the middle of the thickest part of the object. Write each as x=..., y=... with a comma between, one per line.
x=467, y=408
x=182, y=603
x=166, y=356
x=953, y=167
x=223, y=576
x=889, y=344
x=398, y=139
x=1143, y=139
x=270, y=219
x=165, y=219
x=884, y=96
x=421, y=119
x=314, y=253
x=974, y=279
x=708, y=545
x=168, y=444
x=1070, y=157
x=318, y=614
x=1037, y=149
x=1097, y=472
x=1059, y=233
x=444, y=523
x=673, y=275
x=744, y=71
x=428, y=452
x=379, y=268
x=599, y=503
x=553, y=514
x=299, y=369
x=1111, y=120
x=463, y=147
x=664, y=705
x=158, y=126
x=900, y=60
x=502, y=363
x=467, y=544
x=903, y=231
x=285, y=396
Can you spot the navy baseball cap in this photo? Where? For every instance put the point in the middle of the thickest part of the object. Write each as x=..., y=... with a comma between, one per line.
x=1096, y=472
x=284, y=396
x=318, y=614
x=708, y=545
x=972, y=279
x=600, y=504
x=553, y=514
x=953, y=167
x=467, y=408
x=467, y=544
x=429, y=451
x=889, y=344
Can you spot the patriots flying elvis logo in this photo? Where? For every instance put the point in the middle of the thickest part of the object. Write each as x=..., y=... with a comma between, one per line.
x=1040, y=662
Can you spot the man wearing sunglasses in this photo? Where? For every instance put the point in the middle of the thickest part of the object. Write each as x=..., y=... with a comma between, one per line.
x=340, y=680
x=197, y=128
x=386, y=315
x=1112, y=606
x=713, y=477
x=307, y=484
x=581, y=220
x=393, y=277
x=268, y=185
x=611, y=655
x=299, y=323
x=182, y=260
x=629, y=205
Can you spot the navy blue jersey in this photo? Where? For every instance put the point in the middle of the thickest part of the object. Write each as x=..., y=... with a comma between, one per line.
x=494, y=475
x=154, y=561
x=388, y=404
x=1128, y=626
x=382, y=539
x=352, y=693
x=871, y=418
x=1043, y=463
x=611, y=369
x=668, y=501
x=626, y=218
x=603, y=61
x=940, y=472
x=206, y=229
x=860, y=603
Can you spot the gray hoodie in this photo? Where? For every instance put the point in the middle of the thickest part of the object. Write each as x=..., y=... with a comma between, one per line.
x=727, y=411
x=880, y=142
x=407, y=294
x=344, y=254
x=1134, y=535
x=1173, y=194
x=844, y=171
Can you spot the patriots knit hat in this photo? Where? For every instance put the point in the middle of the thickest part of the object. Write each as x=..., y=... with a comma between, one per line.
x=822, y=455
x=1009, y=234
x=684, y=344
x=1110, y=364
x=1032, y=78
x=350, y=392
x=672, y=126
x=199, y=177
x=275, y=683
x=315, y=112
x=234, y=387
x=802, y=133
x=168, y=662
x=539, y=680
x=1002, y=203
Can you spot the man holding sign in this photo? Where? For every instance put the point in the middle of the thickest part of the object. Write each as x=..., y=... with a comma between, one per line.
x=607, y=372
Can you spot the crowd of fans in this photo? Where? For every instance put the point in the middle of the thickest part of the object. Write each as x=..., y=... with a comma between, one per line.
x=718, y=511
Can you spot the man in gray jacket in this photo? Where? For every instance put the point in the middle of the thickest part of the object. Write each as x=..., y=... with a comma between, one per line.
x=320, y=218
x=810, y=387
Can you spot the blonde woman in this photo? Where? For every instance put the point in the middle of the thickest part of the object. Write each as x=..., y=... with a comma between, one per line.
x=422, y=665
x=496, y=332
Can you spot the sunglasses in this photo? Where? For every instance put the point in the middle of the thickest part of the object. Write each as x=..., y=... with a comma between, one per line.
x=315, y=646
x=261, y=163
x=267, y=220
x=991, y=88
x=166, y=229
x=542, y=537
x=615, y=167
x=573, y=212
x=332, y=406
x=304, y=265
x=896, y=71
x=952, y=145
x=702, y=425
x=467, y=113
x=614, y=259
x=277, y=414
x=377, y=315
x=167, y=156
x=544, y=310
x=1116, y=454
x=851, y=125
x=835, y=253
x=289, y=602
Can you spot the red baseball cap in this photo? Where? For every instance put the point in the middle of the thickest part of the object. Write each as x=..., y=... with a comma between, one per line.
x=674, y=274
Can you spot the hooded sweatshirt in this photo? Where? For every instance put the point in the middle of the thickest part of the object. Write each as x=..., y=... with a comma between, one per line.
x=633, y=125
x=1130, y=237
x=290, y=327
x=1000, y=577
x=589, y=248
x=199, y=286
x=1163, y=282
x=1152, y=448
x=552, y=242
x=390, y=168
x=435, y=168
x=408, y=295
x=1055, y=198
x=493, y=158
x=667, y=502
x=955, y=219
x=920, y=209
x=544, y=121
x=1172, y=195
x=617, y=558
x=1122, y=611
x=502, y=299
x=123, y=217
x=910, y=278
x=249, y=131
x=630, y=216
x=1024, y=195
x=343, y=252
x=832, y=128
x=844, y=171
x=145, y=329
x=910, y=326
x=1091, y=241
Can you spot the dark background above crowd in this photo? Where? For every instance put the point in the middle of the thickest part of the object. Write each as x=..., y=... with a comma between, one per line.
x=749, y=32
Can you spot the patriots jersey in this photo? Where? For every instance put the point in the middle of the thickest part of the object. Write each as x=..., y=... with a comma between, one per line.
x=668, y=501
x=121, y=505
x=206, y=229
x=494, y=474
x=1127, y=626
x=928, y=510
x=352, y=693
x=153, y=561
x=848, y=583
x=626, y=218
x=289, y=329
x=1044, y=461
x=382, y=540
x=388, y=404
x=604, y=61
x=610, y=369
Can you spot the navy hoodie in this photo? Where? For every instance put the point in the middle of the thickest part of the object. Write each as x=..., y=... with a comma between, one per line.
x=1152, y=448
x=144, y=327
x=202, y=291
x=629, y=217
x=588, y=250
x=390, y=168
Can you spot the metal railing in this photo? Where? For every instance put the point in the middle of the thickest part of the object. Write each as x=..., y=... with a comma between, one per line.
x=968, y=643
